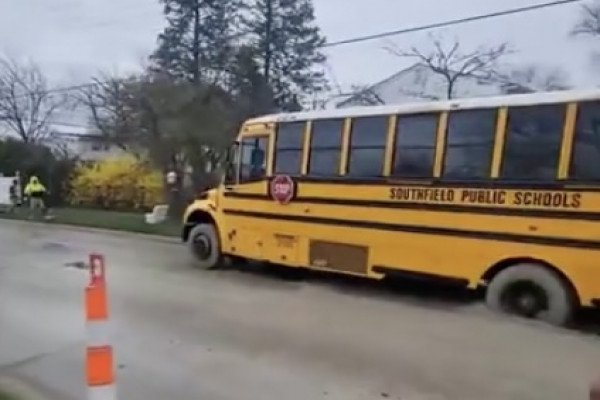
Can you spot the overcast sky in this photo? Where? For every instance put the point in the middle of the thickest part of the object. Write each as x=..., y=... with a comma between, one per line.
x=73, y=39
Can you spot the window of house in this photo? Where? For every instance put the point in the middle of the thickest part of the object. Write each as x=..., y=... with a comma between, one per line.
x=289, y=145
x=367, y=146
x=470, y=144
x=533, y=141
x=585, y=162
x=254, y=158
x=325, y=148
x=415, y=146
x=96, y=146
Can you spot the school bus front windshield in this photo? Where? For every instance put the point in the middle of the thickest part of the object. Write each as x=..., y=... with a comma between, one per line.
x=498, y=193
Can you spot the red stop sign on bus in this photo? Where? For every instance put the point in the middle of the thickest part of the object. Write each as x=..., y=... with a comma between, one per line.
x=282, y=189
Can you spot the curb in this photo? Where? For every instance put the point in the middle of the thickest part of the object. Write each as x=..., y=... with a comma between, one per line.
x=79, y=228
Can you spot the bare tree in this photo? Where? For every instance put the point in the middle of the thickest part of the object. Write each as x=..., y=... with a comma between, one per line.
x=589, y=22
x=534, y=78
x=367, y=95
x=111, y=104
x=173, y=123
x=450, y=62
x=26, y=105
x=359, y=95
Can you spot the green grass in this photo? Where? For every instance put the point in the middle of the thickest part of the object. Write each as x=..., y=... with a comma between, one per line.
x=115, y=220
x=7, y=396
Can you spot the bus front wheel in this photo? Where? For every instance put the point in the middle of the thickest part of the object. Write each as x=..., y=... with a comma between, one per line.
x=531, y=291
x=204, y=246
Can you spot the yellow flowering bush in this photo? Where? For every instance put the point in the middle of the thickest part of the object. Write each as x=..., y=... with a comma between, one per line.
x=123, y=183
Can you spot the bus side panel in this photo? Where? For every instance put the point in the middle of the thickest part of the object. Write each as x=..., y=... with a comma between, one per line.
x=452, y=257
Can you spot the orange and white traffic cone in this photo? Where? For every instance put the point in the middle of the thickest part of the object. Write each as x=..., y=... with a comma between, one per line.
x=99, y=355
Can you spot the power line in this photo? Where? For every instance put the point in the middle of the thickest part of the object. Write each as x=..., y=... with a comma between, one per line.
x=450, y=23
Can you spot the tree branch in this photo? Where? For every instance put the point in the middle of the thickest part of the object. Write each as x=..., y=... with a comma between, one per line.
x=589, y=23
x=26, y=107
x=450, y=63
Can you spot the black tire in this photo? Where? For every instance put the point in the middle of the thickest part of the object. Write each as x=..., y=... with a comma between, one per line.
x=531, y=291
x=204, y=246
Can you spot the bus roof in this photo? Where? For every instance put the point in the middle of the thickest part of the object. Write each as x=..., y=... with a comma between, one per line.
x=436, y=106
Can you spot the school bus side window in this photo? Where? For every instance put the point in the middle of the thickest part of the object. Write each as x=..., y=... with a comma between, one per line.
x=325, y=148
x=367, y=146
x=288, y=148
x=533, y=140
x=254, y=159
x=585, y=162
x=469, y=144
x=415, y=146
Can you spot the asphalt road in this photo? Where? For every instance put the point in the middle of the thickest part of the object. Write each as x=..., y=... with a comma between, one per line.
x=181, y=333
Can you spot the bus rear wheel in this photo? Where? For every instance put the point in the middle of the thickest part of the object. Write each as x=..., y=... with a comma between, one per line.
x=204, y=246
x=531, y=291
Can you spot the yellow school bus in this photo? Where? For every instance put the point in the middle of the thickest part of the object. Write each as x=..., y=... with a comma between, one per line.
x=497, y=193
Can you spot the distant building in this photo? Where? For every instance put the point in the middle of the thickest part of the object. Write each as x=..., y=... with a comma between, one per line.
x=86, y=147
x=419, y=83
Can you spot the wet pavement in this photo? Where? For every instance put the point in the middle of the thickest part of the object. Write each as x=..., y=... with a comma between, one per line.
x=181, y=333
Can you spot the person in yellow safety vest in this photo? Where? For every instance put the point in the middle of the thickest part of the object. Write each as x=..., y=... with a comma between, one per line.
x=36, y=192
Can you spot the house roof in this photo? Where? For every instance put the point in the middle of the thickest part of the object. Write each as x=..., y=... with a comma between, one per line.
x=375, y=87
x=82, y=137
x=419, y=82
x=437, y=106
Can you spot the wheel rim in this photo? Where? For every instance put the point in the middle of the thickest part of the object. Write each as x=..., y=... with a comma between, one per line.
x=525, y=299
x=202, y=246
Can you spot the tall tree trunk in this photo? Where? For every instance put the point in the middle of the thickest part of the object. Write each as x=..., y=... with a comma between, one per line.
x=196, y=44
x=450, y=89
x=268, y=39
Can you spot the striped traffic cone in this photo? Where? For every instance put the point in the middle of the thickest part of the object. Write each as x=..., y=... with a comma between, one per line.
x=99, y=355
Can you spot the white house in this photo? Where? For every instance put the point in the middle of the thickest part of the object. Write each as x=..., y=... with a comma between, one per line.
x=419, y=83
x=85, y=146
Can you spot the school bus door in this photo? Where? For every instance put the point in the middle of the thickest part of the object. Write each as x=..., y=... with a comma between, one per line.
x=245, y=185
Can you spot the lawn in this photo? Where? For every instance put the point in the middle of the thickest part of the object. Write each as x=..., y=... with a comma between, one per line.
x=6, y=396
x=115, y=220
